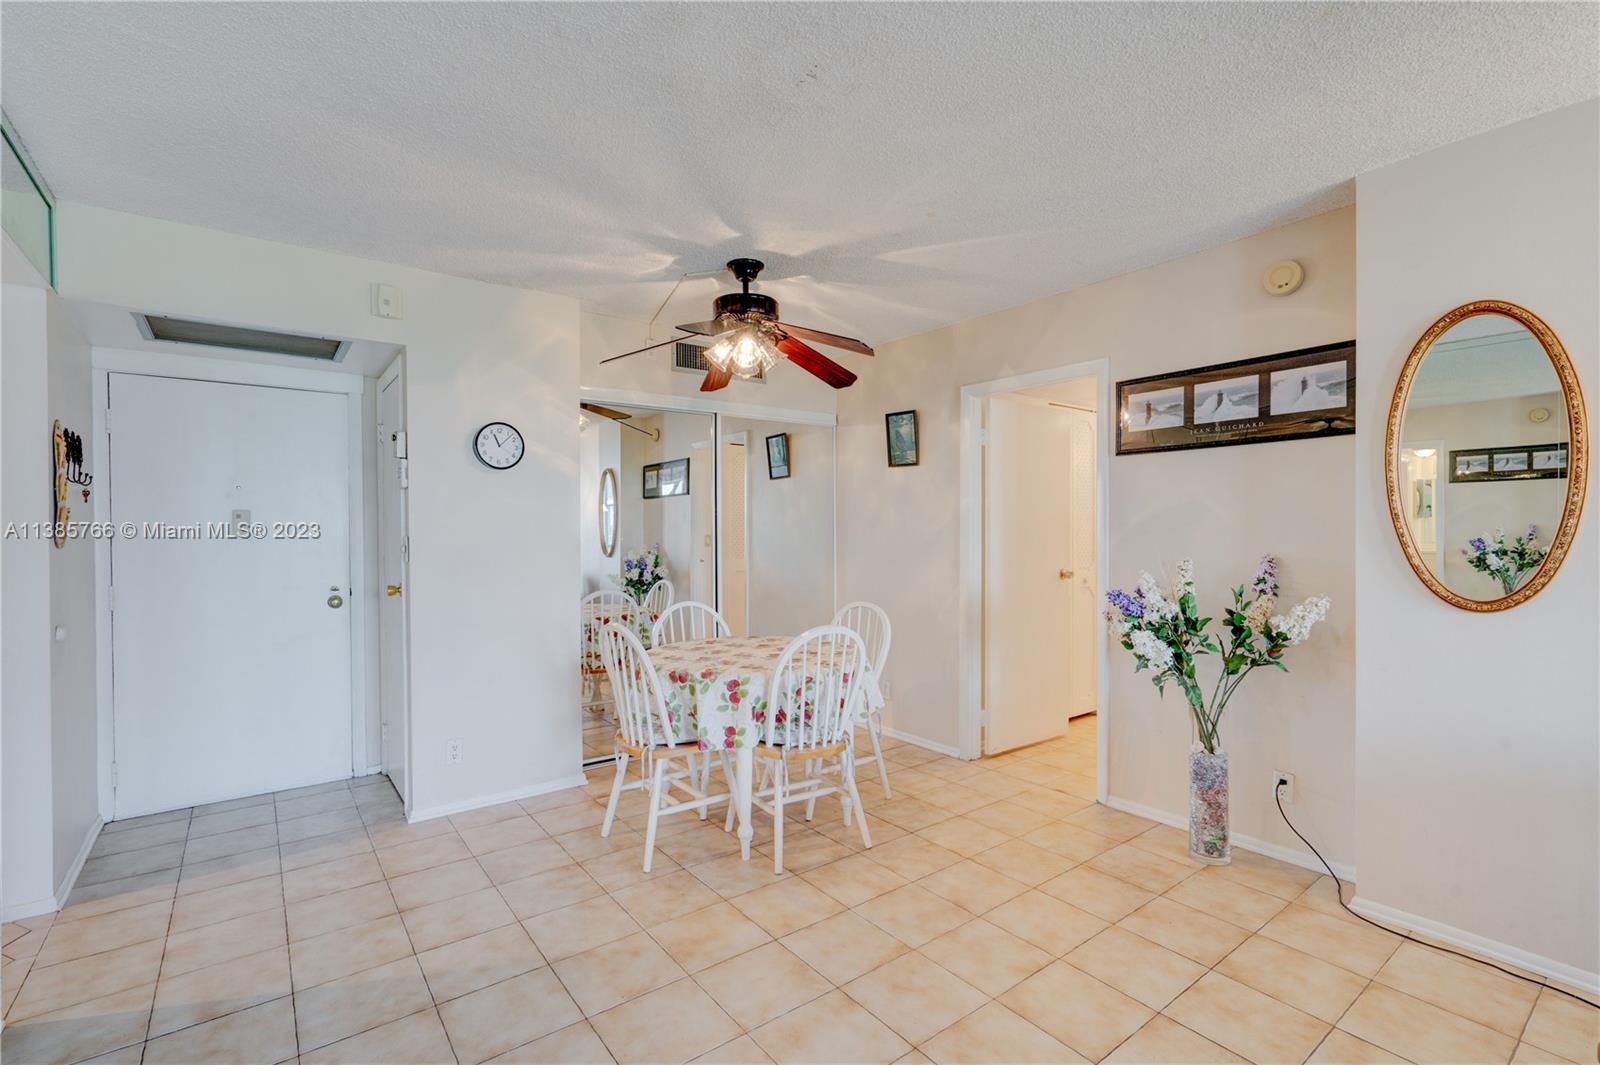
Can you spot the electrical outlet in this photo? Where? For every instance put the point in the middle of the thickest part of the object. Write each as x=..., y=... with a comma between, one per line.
x=1283, y=786
x=452, y=752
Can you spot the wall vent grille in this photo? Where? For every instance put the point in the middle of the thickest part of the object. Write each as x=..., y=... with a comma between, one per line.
x=240, y=338
x=691, y=358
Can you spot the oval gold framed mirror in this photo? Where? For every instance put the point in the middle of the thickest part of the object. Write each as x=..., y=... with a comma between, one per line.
x=608, y=511
x=1486, y=456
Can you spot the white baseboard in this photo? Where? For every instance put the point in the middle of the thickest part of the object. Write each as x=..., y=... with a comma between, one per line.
x=51, y=903
x=446, y=809
x=1488, y=948
x=69, y=880
x=23, y=910
x=918, y=741
x=1303, y=859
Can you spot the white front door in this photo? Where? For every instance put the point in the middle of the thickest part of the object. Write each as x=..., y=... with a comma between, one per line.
x=1030, y=573
x=231, y=654
x=392, y=674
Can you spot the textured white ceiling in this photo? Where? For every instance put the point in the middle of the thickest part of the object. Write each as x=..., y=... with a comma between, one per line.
x=899, y=166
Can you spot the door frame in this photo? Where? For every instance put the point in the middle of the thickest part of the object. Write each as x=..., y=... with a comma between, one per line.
x=107, y=361
x=971, y=590
x=395, y=372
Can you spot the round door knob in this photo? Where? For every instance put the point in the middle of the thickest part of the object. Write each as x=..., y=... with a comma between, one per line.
x=1066, y=574
x=336, y=600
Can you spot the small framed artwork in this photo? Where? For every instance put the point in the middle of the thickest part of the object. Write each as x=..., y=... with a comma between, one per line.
x=662, y=479
x=1529, y=463
x=900, y=429
x=1288, y=396
x=777, y=456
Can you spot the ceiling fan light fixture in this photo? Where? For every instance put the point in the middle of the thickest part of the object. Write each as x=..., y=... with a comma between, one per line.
x=744, y=352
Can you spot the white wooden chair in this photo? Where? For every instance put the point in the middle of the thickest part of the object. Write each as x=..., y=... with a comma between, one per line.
x=815, y=688
x=685, y=621
x=657, y=599
x=644, y=733
x=595, y=610
x=869, y=621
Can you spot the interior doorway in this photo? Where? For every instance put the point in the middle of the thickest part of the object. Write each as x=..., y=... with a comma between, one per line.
x=1039, y=670
x=1033, y=565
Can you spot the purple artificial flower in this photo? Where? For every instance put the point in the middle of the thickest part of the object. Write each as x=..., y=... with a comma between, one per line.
x=1477, y=543
x=1130, y=606
x=1533, y=533
x=1266, y=579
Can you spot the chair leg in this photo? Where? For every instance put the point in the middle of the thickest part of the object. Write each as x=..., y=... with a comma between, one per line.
x=812, y=769
x=781, y=786
x=855, y=797
x=616, y=792
x=874, y=730
x=733, y=787
x=700, y=777
x=655, y=813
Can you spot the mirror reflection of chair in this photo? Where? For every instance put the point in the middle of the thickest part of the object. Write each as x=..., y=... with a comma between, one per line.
x=644, y=732
x=657, y=599
x=596, y=610
x=816, y=691
x=686, y=621
x=869, y=621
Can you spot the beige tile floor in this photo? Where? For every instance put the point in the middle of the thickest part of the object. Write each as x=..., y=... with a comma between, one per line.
x=1001, y=917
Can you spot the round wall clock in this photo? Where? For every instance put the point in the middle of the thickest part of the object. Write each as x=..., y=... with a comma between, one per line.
x=498, y=446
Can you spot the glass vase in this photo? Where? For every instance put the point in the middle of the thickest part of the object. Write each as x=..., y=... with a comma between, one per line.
x=1208, y=807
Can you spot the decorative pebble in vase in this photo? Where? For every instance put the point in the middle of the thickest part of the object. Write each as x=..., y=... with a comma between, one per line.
x=1208, y=807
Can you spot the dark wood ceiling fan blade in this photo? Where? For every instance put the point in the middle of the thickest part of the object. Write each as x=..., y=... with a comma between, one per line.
x=715, y=379
x=605, y=412
x=815, y=363
x=833, y=340
x=647, y=347
x=709, y=329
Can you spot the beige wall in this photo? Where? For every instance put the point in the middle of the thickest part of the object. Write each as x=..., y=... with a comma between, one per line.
x=899, y=528
x=1478, y=807
x=789, y=532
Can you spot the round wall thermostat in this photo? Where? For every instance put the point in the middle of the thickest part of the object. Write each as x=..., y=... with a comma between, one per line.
x=1282, y=278
x=1539, y=415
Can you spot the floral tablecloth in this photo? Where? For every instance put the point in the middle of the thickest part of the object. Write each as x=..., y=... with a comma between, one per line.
x=716, y=690
x=596, y=618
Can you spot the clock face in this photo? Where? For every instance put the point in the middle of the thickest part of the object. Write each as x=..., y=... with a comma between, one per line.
x=499, y=446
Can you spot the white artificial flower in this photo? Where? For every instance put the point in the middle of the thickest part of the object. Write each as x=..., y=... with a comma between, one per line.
x=1185, y=578
x=1301, y=619
x=1117, y=624
x=1152, y=650
x=1157, y=607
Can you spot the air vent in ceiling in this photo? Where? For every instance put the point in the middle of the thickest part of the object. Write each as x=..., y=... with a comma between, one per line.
x=214, y=335
x=691, y=358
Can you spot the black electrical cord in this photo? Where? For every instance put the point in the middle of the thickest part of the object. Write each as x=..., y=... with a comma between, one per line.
x=1339, y=890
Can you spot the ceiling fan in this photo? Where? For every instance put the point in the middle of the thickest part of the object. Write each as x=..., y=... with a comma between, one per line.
x=619, y=416
x=748, y=339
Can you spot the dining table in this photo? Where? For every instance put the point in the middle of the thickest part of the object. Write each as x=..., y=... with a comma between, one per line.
x=716, y=696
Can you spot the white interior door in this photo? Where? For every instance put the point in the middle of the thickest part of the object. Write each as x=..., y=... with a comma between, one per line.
x=392, y=557
x=1027, y=548
x=231, y=657
x=1083, y=620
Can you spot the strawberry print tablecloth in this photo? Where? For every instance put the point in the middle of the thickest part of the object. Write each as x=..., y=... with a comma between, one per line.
x=716, y=690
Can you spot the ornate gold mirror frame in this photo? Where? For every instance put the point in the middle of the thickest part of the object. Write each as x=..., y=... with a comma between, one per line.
x=1577, y=454
x=609, y=516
